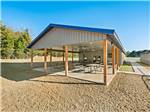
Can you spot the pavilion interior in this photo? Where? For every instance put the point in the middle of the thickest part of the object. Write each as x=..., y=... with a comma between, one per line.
x=87, y=66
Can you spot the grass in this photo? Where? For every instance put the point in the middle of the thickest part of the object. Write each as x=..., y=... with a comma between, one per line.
x=126, y=67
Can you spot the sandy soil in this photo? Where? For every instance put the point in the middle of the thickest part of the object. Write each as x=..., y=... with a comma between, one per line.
x=25, y=90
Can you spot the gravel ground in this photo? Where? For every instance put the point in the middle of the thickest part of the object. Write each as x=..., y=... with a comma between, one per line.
x=25, y=90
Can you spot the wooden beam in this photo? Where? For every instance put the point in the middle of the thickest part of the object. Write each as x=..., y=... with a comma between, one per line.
x=51, y=55
x=59, y=50
x=31, y=58
x=45, y=60
x=66, y=60
x=105, y=60
x=113, y=59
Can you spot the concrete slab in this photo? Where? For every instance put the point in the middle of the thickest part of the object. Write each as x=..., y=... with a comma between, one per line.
x=80, y=74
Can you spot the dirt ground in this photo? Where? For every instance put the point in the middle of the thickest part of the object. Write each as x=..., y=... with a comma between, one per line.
x=25, y=90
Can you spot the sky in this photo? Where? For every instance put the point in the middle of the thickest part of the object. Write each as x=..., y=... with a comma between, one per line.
x=129, y=19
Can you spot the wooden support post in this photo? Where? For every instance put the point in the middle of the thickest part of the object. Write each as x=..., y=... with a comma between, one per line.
x=115, y=55
x=105, y=60
x=45, y=60
x=66, y=60
x=113, y=59
x=63, y=57
x=72, y=55
x=116, y=59
x=31, y=58
x=51, y=55
x=63, y=54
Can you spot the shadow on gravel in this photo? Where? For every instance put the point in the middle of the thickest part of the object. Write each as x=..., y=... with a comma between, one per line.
x=57, y=82
x=67, y=80
x=145, y=81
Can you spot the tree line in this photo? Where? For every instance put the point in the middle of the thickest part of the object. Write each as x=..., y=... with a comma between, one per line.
x=136, y=53
x=14, y=43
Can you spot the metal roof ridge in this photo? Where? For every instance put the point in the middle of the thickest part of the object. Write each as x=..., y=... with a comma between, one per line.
x=75, y=26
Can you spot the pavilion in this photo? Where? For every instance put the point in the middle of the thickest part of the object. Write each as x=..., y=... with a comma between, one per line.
x=94, y=46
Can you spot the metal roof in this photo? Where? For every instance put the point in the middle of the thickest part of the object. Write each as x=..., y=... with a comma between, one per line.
x=110, y=32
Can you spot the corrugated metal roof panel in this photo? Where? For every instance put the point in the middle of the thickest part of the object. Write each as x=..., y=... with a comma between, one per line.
x=50, y=26
x=104, y=31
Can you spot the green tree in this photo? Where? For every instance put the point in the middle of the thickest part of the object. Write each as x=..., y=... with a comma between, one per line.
x=26, y=40
x=20, y=47
x=127, y=53
x=14, y=44
x=7, y=41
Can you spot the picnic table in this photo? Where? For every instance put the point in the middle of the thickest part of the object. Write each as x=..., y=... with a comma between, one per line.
x=92, y=67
